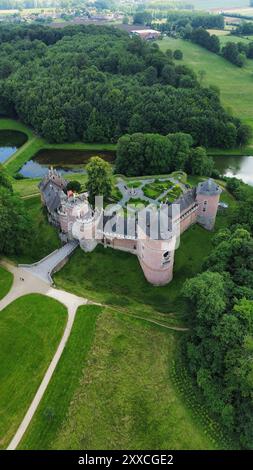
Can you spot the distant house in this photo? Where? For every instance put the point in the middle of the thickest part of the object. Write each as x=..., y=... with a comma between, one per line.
x=146, y=34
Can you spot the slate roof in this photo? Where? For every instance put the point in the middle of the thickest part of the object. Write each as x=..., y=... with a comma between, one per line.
x=185, y=201
x=52, y=196
x=209, y=187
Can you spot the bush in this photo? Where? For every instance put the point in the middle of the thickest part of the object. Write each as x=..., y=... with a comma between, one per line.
x=178, y=55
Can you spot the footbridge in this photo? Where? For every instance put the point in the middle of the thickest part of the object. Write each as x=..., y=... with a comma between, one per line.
x=45, y=268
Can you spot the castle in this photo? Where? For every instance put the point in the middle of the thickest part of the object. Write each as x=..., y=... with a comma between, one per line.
x=75, y=219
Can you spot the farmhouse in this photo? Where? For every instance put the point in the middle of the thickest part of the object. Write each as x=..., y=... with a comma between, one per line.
x=75, y=219
x=146, y=34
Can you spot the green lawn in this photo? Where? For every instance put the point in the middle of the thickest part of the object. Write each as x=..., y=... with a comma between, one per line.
x=6, y=279
x=30, y=330
x=45, y=237
x=235, y=83
x=116, y=278
x=112, y=390
x=29, y=186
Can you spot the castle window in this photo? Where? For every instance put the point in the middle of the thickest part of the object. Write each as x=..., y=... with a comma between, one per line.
x=205, y=202
x=166, y=262
x=204, y=210
x=166, y=255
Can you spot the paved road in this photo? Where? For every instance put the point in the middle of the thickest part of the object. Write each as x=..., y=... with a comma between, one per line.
x=72, y=303
x=25, y=282
x=44, y=268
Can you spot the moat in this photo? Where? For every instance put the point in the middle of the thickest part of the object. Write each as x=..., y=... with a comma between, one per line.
x=236, y=166
x=65, y=161
x=10, y=141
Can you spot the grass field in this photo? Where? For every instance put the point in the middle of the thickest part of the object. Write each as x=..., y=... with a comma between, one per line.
x=112, y=390
x=115, y=278
x=30, y=330
x=29, y=186
x=6, y=280
x=235, y=84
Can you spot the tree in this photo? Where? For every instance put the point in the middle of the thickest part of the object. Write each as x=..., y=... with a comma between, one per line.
x=96, y=84
x=200, y=163
x=244, y=134
x=232, y=53
x=4, y=179
x=74, y=186
x=143, y=154
x=207, y=296
x=99, y=179
x=220, y=345
x=180, y=151
x=142, y=17
x=15, y=227
x=178, y=55
x=205, y=39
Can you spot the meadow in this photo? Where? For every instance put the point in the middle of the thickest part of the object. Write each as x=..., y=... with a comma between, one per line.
x=30, y=330
x=113, y=390
x=235, y=84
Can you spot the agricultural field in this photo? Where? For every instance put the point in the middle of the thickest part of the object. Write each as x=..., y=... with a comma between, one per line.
x=6, y=280
x=109, y=400
x=30, y=330
x=236, y=93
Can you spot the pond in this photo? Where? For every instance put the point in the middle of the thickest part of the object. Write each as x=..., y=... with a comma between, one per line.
x=238, y=167
x=10, y=141
x=64, y=161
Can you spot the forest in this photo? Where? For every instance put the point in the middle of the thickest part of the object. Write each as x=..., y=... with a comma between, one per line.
x=97, y=83
x=219, y=349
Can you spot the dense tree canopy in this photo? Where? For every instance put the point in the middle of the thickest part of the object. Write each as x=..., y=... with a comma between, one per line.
x=96, y=84
x=180, y=20
x=15, y=229
x=242, y=214
x=205, y=39
x=152, y=154
x=220, y=347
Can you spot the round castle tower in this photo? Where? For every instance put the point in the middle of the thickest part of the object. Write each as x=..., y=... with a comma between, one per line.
x=208, y=196
x=156, y=258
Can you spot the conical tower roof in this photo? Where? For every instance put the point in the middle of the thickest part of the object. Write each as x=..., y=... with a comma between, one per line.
x=209, y=188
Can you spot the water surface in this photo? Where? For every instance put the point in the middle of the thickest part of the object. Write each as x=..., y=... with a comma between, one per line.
x=10, y=141
x=64, y=161
x=237, y=167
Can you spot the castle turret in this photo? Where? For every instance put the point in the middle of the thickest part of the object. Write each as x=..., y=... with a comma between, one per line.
x=156, y=258
x=208, y=196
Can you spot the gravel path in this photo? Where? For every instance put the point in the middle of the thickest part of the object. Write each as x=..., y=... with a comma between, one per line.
x=25, y=282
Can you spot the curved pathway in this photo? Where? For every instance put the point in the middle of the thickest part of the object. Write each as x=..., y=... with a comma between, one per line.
x=30, y=280
x=24, y=283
